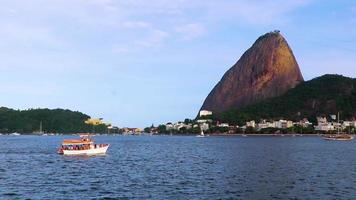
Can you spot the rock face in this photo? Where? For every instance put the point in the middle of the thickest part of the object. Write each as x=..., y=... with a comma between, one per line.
x=268, y=69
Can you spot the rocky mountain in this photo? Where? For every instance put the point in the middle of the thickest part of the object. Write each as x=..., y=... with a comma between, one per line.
x=267, y=69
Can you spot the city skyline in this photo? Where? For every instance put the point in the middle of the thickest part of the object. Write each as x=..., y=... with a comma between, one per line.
x=135, y=63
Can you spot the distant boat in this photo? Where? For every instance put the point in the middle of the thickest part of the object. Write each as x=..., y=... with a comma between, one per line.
x=338, y=136
x=40, y=132
x=201, y=134
x=83, y=146
x=15, y=134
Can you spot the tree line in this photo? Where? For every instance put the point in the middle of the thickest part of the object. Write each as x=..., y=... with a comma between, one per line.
x=53, y=121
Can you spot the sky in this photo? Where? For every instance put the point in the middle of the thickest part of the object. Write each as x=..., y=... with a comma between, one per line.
x=138, y=62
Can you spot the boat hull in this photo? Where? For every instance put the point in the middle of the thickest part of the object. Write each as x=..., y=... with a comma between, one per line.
x=94, y=151
x=339, y=138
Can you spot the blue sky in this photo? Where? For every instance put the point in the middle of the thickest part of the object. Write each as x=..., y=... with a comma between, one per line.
x=138, y=62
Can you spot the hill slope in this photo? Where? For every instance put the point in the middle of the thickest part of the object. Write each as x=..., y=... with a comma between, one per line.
x=54, y=121
x=324, y=95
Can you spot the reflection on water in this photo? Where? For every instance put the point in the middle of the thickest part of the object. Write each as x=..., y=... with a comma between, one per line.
x=161, y=167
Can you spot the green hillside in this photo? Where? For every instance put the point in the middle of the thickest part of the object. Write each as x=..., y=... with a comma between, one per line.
x=53, y=121
x=324, y=95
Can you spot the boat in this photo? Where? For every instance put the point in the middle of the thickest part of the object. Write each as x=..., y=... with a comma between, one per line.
x=83, y=146
x=338, y=136
x=15, y=134
x=40, y=132
x=201, y=134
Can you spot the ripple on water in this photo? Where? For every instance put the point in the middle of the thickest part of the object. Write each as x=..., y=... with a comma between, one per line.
x=180, y=168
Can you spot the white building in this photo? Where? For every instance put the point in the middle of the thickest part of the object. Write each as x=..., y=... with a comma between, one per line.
x=204, y=126
x=223, y=125
x=205, y=113
x=262, y=125
x=283, y=124
x=169, y=126
x=265, y=124
x=324, y=125
x=201, y=121
x=251, y=124
x=348, y=123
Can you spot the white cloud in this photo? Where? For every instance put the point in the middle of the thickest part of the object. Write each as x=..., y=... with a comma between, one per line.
x=155, y=38
x=190, y=31
x=121, y=50
x=100, y=16
x=136, y=24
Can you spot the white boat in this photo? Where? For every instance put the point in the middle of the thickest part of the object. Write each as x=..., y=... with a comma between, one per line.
x=83, y=146
x=201, y=134
x=15, y=134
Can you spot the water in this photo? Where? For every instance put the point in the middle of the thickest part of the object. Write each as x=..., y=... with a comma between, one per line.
x=163, y=167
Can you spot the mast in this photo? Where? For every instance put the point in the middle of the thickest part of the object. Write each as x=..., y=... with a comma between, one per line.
x=338, y=123
x=41, y=127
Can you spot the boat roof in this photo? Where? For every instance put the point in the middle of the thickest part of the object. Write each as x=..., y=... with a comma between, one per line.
x=75, y=142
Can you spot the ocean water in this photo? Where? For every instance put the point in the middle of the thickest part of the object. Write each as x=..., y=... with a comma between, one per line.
x=180, y=167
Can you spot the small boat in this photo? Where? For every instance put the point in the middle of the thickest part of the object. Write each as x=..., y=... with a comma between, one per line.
x=338, y=137
x=15, y=134
x=83, y=146
x=201, y=134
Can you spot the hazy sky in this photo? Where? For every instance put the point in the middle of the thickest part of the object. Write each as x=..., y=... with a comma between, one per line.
x=137, y=62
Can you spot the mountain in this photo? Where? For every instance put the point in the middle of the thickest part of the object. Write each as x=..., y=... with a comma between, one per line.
x=267, y=69
x=322, y=96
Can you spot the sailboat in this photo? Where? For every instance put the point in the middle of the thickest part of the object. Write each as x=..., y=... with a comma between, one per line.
x=40, y=132
x=201, y=134
x=338, y=136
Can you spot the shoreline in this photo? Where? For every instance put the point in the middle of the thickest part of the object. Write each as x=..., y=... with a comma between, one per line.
x=212, y=134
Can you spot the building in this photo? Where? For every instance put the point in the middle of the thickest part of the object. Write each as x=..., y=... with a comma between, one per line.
x=201, y=121
x=349, y=124
x=204, y=126
x=262, y=125
x=283, y=124
x=130, y=131
x=169, y=126
x=304, y=123
x=223, y=125
x=94, y=121
x=251, y=124
x=205, y=113
x=324, y=125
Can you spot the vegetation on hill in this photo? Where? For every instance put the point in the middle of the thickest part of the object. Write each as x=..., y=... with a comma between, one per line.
x=53, y=121
x=322, y=96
